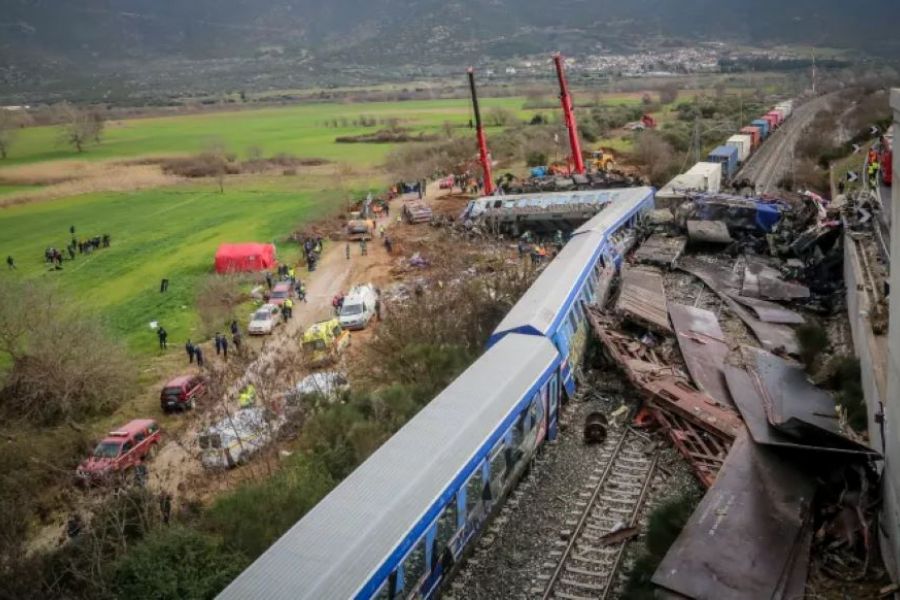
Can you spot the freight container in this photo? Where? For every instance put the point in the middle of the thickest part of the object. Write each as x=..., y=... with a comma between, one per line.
x=772, y=120
x=755, y=134
x=779, y=116
x=710, y=172
x=727, y=156
x=763, y=127
x=786, y=108
x=744, y=144
x=676, y=191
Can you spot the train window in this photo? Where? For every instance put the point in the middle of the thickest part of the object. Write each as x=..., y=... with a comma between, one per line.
x=498, y=464
x=579, y=311
x=446, y=524
x=533, y=412
x=473, y=489
x=414, y=566
x=518, y=432
x=573, y=324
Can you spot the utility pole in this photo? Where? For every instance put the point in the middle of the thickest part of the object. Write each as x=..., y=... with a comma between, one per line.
x=814, y=74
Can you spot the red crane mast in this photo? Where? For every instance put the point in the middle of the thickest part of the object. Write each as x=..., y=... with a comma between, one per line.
x=569, y=111
x=483, y=155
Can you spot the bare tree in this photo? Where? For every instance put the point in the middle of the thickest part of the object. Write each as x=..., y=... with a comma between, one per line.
x=668, y=93
x=79, y=127
x=9, y=126
x=656, y=155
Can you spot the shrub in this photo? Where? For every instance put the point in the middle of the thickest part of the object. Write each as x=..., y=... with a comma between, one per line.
x=174, y=563
x=812, y=339
x=252, y=517
x=63, y=364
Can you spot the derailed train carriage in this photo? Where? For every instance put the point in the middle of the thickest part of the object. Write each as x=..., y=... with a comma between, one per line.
x=401, y=521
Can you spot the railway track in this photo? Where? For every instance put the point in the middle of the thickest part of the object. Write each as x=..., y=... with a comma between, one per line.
x=767, y=167
x=588, y=561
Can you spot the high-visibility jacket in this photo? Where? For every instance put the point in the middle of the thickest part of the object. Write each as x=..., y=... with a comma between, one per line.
x=247, y=397
x=289, y=303
x=291, y=272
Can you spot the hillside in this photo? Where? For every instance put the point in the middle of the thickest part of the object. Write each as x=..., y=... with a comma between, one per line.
x=60, y=39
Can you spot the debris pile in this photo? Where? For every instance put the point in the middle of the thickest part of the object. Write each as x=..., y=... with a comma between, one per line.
x=789, y=483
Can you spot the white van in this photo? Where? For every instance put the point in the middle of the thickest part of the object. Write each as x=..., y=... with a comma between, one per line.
x=359, y=307
x=233, y=440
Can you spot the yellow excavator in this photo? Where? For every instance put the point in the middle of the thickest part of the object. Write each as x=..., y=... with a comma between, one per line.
x=602, y=160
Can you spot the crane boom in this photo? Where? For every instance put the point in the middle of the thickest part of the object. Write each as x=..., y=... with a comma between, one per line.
x=483, y=155
x=569, y=111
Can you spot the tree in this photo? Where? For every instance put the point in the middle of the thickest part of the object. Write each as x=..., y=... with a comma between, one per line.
x=9, y=126
x=668, y=93
x=80, y=127
x=499, y=117
x=656, y=156
x=62, y=364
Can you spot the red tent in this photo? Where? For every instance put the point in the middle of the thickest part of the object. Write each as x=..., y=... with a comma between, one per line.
x=237, y=258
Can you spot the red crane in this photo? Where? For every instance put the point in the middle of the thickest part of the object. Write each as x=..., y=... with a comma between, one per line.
x=483, y=155
x=569, y=111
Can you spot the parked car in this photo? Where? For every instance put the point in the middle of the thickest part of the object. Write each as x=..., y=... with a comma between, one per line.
x=234, y=439
x=182, y=392
x=328, y=386
x=121, y=450
x=264, y=320
x=281, y=292
x=359, y=307
x=446, y=183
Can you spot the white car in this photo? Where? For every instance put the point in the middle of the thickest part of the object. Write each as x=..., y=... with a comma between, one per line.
x=234, y=439
x=359, y=307
x=264, y=320
x=328, y=385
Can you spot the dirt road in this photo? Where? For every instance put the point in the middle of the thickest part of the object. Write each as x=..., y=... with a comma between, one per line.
x=177, y=461
x=774, y=159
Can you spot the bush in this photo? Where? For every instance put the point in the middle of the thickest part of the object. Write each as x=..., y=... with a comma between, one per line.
x=499, y=117
x=63, y=364
x=252, y=517
x=812, y=339
x=535, y=159
x=666, y=523
x=174, y=563
x=205, y=164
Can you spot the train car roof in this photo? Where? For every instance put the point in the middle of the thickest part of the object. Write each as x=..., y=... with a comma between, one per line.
x=625, y=203
x=542, y=305
x=341, y=543
x=539, y=307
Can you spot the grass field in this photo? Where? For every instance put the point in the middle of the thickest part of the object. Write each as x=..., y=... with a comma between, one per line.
x=166, y=232
x=299, y=130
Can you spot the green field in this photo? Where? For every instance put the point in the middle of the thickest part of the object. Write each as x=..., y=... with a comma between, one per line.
x=166, y=232
x=299, y=130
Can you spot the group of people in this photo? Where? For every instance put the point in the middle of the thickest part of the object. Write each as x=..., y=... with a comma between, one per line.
x=195, y=352
x=312, y=250
x=54, y=256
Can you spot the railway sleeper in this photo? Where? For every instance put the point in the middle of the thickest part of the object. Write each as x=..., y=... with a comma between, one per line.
x=582, y=584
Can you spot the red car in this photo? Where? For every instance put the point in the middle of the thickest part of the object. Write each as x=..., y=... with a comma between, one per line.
x=182, y=392
x=281, y=292
x=122, y=450
x=446, y=183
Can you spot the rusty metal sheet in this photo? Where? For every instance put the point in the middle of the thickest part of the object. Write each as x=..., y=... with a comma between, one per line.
x=750, y=404
x=709, y=232
x=703, y=347
x=773, y=336
x=796, y=407
x=676, y=395
x=704, y=451
x=642, y=298
x=746, y=532
x=660, y=250
x=769, y=312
